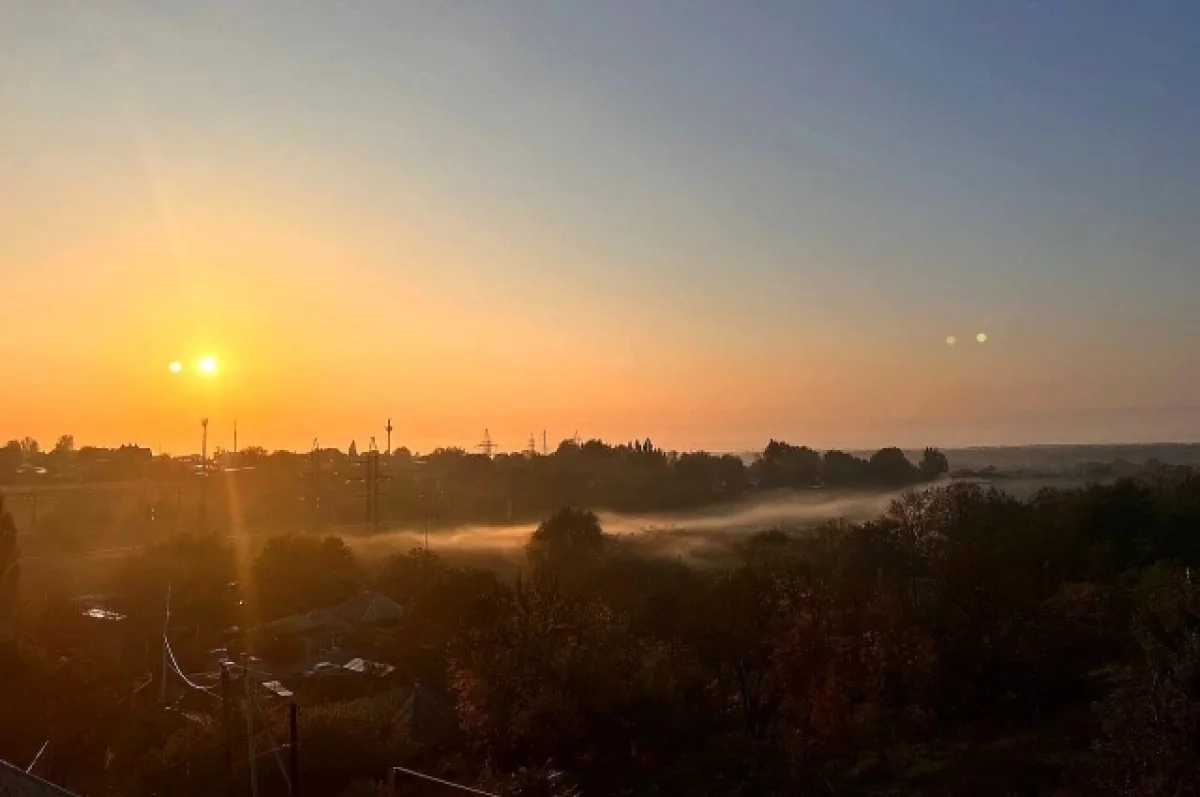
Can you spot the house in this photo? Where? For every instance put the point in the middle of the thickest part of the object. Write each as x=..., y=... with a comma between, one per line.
x=322, y=635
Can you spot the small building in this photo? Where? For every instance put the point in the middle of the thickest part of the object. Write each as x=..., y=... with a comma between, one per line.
x=300, y=641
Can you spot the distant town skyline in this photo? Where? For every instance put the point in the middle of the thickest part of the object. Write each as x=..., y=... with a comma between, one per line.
x=1152, y=423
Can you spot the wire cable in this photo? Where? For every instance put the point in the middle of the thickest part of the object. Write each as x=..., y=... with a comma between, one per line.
x=451, y=784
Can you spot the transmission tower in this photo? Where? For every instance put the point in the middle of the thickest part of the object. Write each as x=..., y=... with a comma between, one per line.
x=487, y=447
x=388, y=429
x=370, y=480
x=313, y=476
x=531, y=447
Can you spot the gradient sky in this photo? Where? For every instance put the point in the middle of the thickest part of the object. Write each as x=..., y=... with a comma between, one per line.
x=701, y=221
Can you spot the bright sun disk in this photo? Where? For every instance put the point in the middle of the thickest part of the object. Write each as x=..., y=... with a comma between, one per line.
x=207, y=365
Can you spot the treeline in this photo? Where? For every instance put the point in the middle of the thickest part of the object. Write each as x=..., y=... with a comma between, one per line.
x=965, y=642
x=324, y=488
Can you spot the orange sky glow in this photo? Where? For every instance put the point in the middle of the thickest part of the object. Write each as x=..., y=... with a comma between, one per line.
x=440, y=230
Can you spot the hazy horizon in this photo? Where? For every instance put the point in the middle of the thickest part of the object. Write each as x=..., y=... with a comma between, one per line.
x=220, y=438
x=710, y=224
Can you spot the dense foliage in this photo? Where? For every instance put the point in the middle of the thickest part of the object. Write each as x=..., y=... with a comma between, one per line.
x=964, y=642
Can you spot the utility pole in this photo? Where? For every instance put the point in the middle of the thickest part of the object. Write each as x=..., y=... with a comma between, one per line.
x=227, y=724
x=545, y=450
x=294, y=746
x=249, y=706
x=204, y=474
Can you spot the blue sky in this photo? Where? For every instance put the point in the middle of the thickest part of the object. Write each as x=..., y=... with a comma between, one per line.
x=712, y=222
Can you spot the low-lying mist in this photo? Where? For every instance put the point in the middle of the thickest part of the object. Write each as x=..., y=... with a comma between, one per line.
x=674, y=534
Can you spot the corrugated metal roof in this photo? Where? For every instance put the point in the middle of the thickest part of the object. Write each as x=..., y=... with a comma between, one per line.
x=16, y=782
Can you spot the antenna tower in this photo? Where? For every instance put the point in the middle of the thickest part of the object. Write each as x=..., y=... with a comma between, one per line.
x=388, y=429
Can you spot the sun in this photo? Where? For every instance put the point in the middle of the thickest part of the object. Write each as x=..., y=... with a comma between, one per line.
x=207, y=364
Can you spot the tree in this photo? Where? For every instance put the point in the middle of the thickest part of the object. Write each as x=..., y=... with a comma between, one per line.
x=890, y=467
x=29, y=446
x=198, y=569
x=296, y=573
x=840, y=469
x=934, y=464
x=784, y=465
x=1150, y=723
x=568, y=537
x=538, y=782
x=352, y=452
x=10, y=457
x=252, y=454
x=65, y=445
x=10, y=572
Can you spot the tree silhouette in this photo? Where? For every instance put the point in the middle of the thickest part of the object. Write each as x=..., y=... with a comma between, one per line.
x=10, y=457
x=934, y=464
x=841, y=469
x=296, y=573
x=352, y=452
x=890, y=467
x=569, y=536
x=784, y=465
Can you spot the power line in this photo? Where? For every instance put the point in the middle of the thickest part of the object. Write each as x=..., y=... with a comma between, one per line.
x=37, y=757
x=468, y=789
x=175, y=668
x=275, y=746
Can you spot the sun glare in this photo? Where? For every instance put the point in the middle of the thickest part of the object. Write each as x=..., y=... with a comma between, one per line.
x=207, y=365
x=175, y=367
